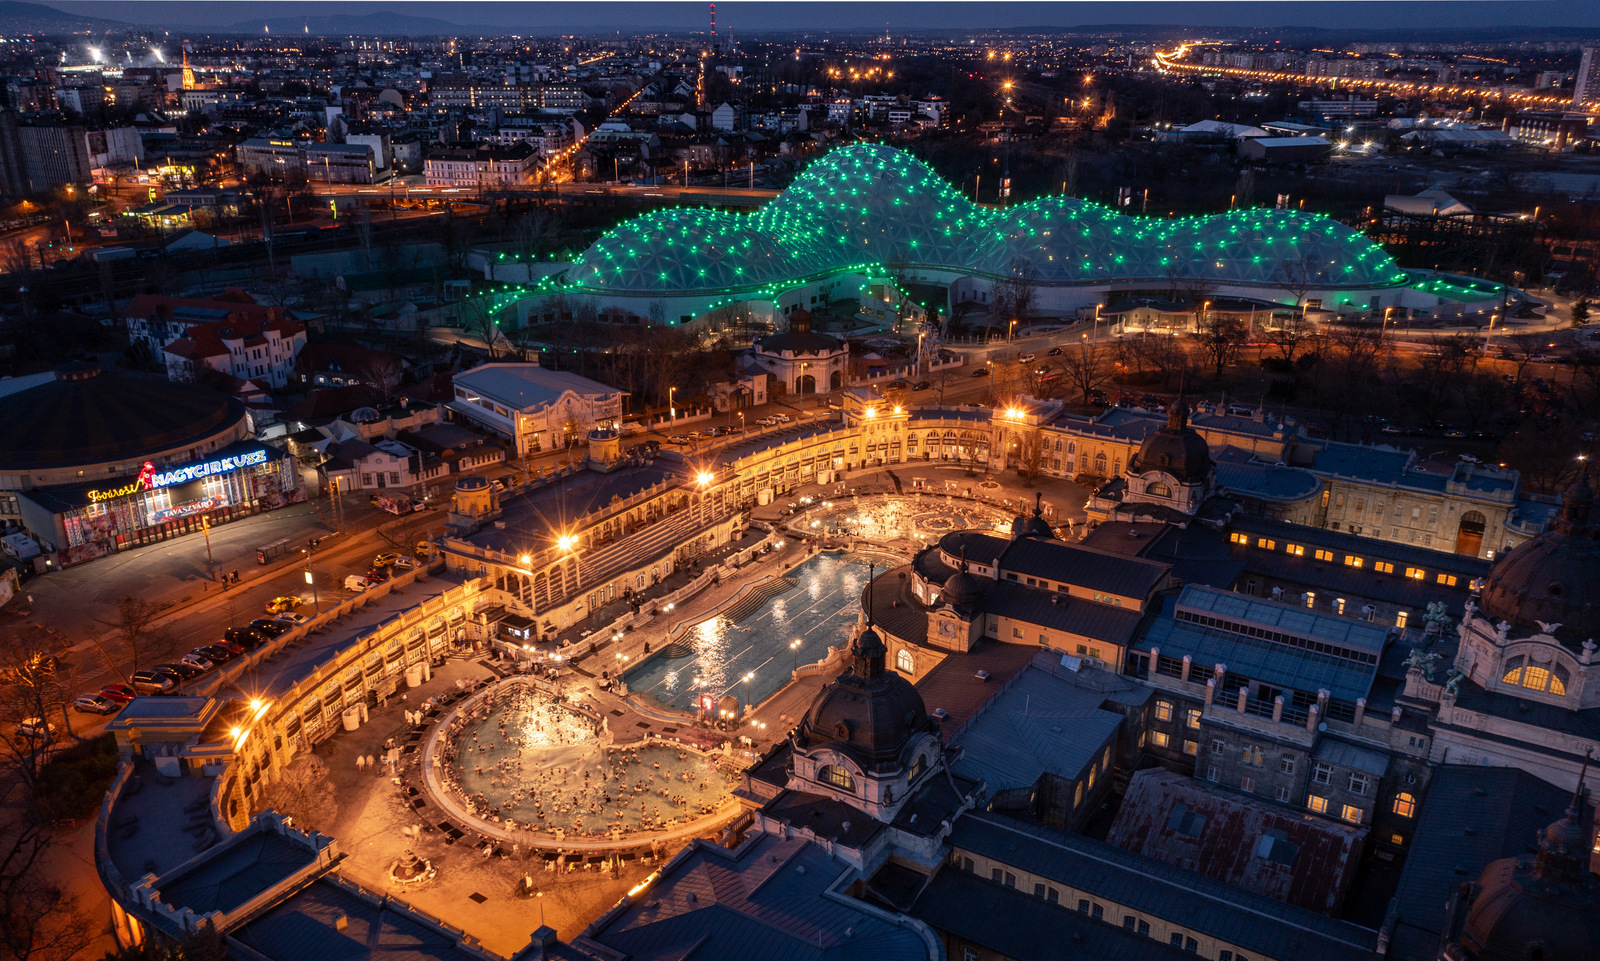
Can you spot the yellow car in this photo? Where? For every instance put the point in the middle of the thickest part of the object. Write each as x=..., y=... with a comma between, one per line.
x=286, y=603
x=384, y=560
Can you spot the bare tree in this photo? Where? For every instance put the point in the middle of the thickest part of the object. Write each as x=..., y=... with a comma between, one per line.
x=131, y=632
x=1030, y=455
x=1221, y=336
x=383, y=372
x=1299, y=276
x=1087, y=368
x=1290, y=334
x=303, y=792
x=1014, y=294
x=37, y=919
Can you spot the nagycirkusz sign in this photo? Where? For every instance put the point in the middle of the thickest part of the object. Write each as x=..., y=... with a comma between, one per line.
x=150, y=479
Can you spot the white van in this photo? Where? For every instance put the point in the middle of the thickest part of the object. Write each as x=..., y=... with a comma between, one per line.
x=358, y=583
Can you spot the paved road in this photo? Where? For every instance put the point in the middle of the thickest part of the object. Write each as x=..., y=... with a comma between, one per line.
x=81, y=602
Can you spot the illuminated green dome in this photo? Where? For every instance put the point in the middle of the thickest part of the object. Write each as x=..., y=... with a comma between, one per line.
x=872, y=204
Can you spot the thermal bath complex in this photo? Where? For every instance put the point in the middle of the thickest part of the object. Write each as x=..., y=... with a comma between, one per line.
x=518, y=759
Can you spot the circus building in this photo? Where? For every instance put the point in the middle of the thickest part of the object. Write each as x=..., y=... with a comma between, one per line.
x=94, y=461
x=865, y=213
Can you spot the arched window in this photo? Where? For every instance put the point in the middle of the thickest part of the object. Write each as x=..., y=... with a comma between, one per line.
x=837, y=776
x=1535, y=677
x=1072, y=447
x=1405, y=805
x=903, y=662
x=917, y=766
x=1058, y=447
x=1100, y=464
x=1158, y=489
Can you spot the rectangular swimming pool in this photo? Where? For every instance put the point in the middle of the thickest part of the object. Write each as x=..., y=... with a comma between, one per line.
x=818, y=611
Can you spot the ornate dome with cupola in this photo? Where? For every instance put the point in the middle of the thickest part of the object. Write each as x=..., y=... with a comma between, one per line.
x=1544, y=908
x=868, y=739
x=1531, y=632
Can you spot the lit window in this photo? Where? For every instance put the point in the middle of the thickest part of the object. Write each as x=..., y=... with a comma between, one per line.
x=1239, y=538
x=1191, y=748
x=1448, y=580
x=1163, y=710
x=837, y=776
x=1295, y=549
x=1400, y=619
x=1416, y=573
x=1350, y=560
x=1317, y=804
x=1193, y=719
x=1266, y=543
x=1351, y=813
x=1383, y=567
x=1405, y=805
x=1160, y=739
x=1324, y=555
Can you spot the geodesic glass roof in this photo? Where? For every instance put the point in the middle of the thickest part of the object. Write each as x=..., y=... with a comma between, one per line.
x=872, y=204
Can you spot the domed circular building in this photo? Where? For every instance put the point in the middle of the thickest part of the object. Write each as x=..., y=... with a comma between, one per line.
x=867, y=214
x=97, y=460
x=868, y=738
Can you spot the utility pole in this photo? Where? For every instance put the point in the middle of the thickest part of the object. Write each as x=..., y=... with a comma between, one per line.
x=311, y=556
x=205, y=527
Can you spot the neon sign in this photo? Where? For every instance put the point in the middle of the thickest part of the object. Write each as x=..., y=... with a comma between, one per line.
x=149, y=479
x=225, y=465
x=187, y=510
x=140, y=483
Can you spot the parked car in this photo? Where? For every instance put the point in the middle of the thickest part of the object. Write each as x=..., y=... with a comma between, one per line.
x=287, y=602
x=781, y=418
x=216, y=653
x=230, y=645
x=153, y=682
x=1025, y=359
x=1455, y=433
x=506, y=481
x=244, y=638
x=385, y=559
x=290, y=617
x=981, y=372
x=355, y=582
x=95, y=704
x=1055, y=352
x=198, y=660
x=184, y=670
x=37, y=729
x=269, y=627
x=403, y=563
x=121, y=693
x=679, y=438
x=897, y=385
x=651, y=446
x=921, y=385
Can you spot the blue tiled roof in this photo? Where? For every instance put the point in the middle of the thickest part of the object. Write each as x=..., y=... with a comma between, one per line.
x=768, y=900
x=1039, y=724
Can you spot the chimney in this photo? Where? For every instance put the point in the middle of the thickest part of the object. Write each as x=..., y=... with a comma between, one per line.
x=341, y=922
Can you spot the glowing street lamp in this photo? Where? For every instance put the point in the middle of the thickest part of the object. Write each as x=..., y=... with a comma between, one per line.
x=794, y=646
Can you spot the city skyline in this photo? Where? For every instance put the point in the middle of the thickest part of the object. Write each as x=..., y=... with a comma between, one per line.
x=871, y=17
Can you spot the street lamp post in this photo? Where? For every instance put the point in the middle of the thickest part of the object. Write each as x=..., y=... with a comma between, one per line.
x=747, y=677
x=672, y=409
x=310, y=551
x=794, y=646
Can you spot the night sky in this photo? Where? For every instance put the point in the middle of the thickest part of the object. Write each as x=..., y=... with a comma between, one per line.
x=746, y=15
